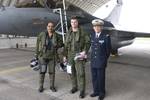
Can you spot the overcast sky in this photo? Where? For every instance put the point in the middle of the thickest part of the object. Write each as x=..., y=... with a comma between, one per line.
x=135, y=15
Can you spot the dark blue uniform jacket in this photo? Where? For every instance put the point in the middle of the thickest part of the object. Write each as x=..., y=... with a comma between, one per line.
x=100, y=50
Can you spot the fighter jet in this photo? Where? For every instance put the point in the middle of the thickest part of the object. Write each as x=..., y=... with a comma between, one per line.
x=31, y=16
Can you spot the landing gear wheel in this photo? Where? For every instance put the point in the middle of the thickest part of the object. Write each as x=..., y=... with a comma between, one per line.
x=114, y=53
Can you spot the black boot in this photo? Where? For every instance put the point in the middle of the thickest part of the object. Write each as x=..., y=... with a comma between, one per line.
x=41, y=89
x=52, y=82
x=73, y=90
x=41, y=82
x=94, y=95
x=82, y=94
x=101, y=97
x=53, y=89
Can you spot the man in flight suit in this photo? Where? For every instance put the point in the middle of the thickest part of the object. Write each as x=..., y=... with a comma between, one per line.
x=46, y=51
x=100, y=51
x=77, y=41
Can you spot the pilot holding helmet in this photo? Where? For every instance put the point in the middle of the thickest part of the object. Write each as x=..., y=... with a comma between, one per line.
x=47, y=45
x=100, y=52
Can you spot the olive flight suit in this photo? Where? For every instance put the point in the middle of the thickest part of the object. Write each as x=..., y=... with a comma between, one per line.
x=77, y=42
x=46, y=51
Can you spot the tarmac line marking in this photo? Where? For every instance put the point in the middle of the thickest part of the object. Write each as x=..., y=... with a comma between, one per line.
x=14, y=70
x=20, y=80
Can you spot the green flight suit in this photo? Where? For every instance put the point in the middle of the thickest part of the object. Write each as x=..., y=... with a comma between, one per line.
x=77, y=42
x=47, y=57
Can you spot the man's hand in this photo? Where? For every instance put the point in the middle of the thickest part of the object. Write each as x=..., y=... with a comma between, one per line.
x=36, y=56
x=83, y=53
x=81, y=56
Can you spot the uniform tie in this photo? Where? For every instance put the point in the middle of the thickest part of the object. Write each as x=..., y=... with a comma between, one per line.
x=97, y=35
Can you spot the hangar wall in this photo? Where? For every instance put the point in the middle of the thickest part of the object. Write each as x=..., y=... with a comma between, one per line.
x=17, y=42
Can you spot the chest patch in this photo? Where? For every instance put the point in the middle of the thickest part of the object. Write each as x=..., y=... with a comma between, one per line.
x=101, y=41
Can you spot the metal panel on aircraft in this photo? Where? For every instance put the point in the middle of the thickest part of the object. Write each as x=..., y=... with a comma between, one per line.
x=89, y=6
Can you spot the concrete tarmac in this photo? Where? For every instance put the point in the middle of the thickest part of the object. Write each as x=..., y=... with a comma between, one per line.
x=128, y=76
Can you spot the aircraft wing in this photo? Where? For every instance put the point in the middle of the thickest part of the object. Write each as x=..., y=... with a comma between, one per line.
x=124, y=32
x=121, y=38
x=135, y=33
